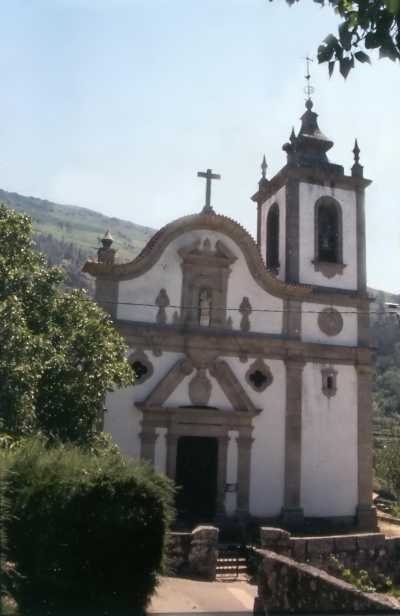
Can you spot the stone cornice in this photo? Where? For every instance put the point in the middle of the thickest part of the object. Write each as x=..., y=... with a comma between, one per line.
x=165, y=416
x=225, y=343
x=311, y=175
x=213, y=222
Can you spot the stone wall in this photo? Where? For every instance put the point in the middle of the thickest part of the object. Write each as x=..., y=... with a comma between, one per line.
x=194, y=554
x=373, y=552
x=286, y=586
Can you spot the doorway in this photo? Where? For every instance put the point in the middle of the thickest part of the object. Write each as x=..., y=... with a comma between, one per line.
x=196, y=478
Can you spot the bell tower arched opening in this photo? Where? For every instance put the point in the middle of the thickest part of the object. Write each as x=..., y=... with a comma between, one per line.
x=328, y=231
x=272, y=251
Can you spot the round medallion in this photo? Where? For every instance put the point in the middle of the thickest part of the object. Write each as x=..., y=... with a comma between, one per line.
x=330, y=321
x=200, y=389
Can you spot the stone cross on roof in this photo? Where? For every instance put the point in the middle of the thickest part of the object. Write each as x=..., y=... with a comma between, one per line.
x=208, y=175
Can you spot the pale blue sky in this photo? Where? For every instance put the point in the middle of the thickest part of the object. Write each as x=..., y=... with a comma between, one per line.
x=116, y=104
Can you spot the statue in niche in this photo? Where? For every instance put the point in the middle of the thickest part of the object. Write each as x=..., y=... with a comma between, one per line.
x=205, y=308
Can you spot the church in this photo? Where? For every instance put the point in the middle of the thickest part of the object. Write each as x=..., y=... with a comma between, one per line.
x=252, y=359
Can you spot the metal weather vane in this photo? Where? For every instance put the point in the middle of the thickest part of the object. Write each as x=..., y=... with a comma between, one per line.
x=309, y=88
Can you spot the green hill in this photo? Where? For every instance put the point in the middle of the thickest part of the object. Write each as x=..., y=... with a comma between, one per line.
x=78, y=225
x=68, y=234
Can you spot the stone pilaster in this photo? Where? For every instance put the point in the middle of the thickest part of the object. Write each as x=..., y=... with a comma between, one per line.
x=292, y=510
x=106, y=295
x=172, y=447
x=148, y=439
x=366, y=513
x=244, y=442
x=259, y=218
x=361, y=241
x=363, y=327
x=221, y=478
x=292, y=318
x=292, y=230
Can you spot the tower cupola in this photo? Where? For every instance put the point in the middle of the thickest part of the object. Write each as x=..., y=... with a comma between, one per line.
x=310, y=146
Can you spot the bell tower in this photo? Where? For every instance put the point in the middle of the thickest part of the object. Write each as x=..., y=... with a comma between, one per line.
x=310, y=215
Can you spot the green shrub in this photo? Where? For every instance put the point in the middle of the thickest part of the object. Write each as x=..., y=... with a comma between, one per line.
x=90, y=527
x=360, y=578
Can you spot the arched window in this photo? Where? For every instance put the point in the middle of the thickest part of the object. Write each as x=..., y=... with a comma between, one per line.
x=328, y=231
x=273, y=238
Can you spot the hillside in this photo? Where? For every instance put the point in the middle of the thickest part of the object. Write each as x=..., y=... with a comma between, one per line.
x=70, y=224
x=68, y=234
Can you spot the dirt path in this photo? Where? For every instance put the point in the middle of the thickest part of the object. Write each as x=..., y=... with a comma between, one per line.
x=178, y=596
x=390, y=529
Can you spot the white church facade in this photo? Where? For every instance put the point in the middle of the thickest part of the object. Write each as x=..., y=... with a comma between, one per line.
x=252, y=358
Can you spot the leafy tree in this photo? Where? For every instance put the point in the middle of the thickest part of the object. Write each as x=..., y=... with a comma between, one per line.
x=365, y=25
x=388, y=463
x=59, y=353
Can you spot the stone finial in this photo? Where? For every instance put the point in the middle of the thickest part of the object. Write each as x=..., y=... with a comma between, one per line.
x=357, y=169
x=309, y=104
x=264, y=168
x=263, y=182
x=356, y=152
x=106, y=254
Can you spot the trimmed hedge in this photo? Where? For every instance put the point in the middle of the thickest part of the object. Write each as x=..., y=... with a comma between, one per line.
x=87, y=529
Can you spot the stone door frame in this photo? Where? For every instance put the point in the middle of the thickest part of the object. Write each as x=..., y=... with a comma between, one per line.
x=203, y=422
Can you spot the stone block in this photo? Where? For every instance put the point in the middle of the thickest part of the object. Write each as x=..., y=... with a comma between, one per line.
x=270, y=536
x=345, y=543
x=178, y=548
x=298, y=548
x=203, y=552
x=205, y=533
x=392, y=545
x=370, y=541
x=320, y=545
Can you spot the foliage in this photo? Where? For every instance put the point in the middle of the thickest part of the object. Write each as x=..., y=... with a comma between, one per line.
x=365, y=25
x=87, y=528
x=360, y=578
x=4, y=519
x=388, y=463
x=386, y=340
x=69, y=256
x=59, y=354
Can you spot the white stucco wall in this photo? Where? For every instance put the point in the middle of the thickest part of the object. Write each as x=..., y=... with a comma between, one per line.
x=310, y=331
x=309, y=194
x=268, y=451
x=280, y=199
x=122, y=419
x=329, y=444
x=167, y=274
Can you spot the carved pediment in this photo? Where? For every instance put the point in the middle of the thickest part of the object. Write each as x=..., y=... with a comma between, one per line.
x=200, y=387
x=201, y=251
